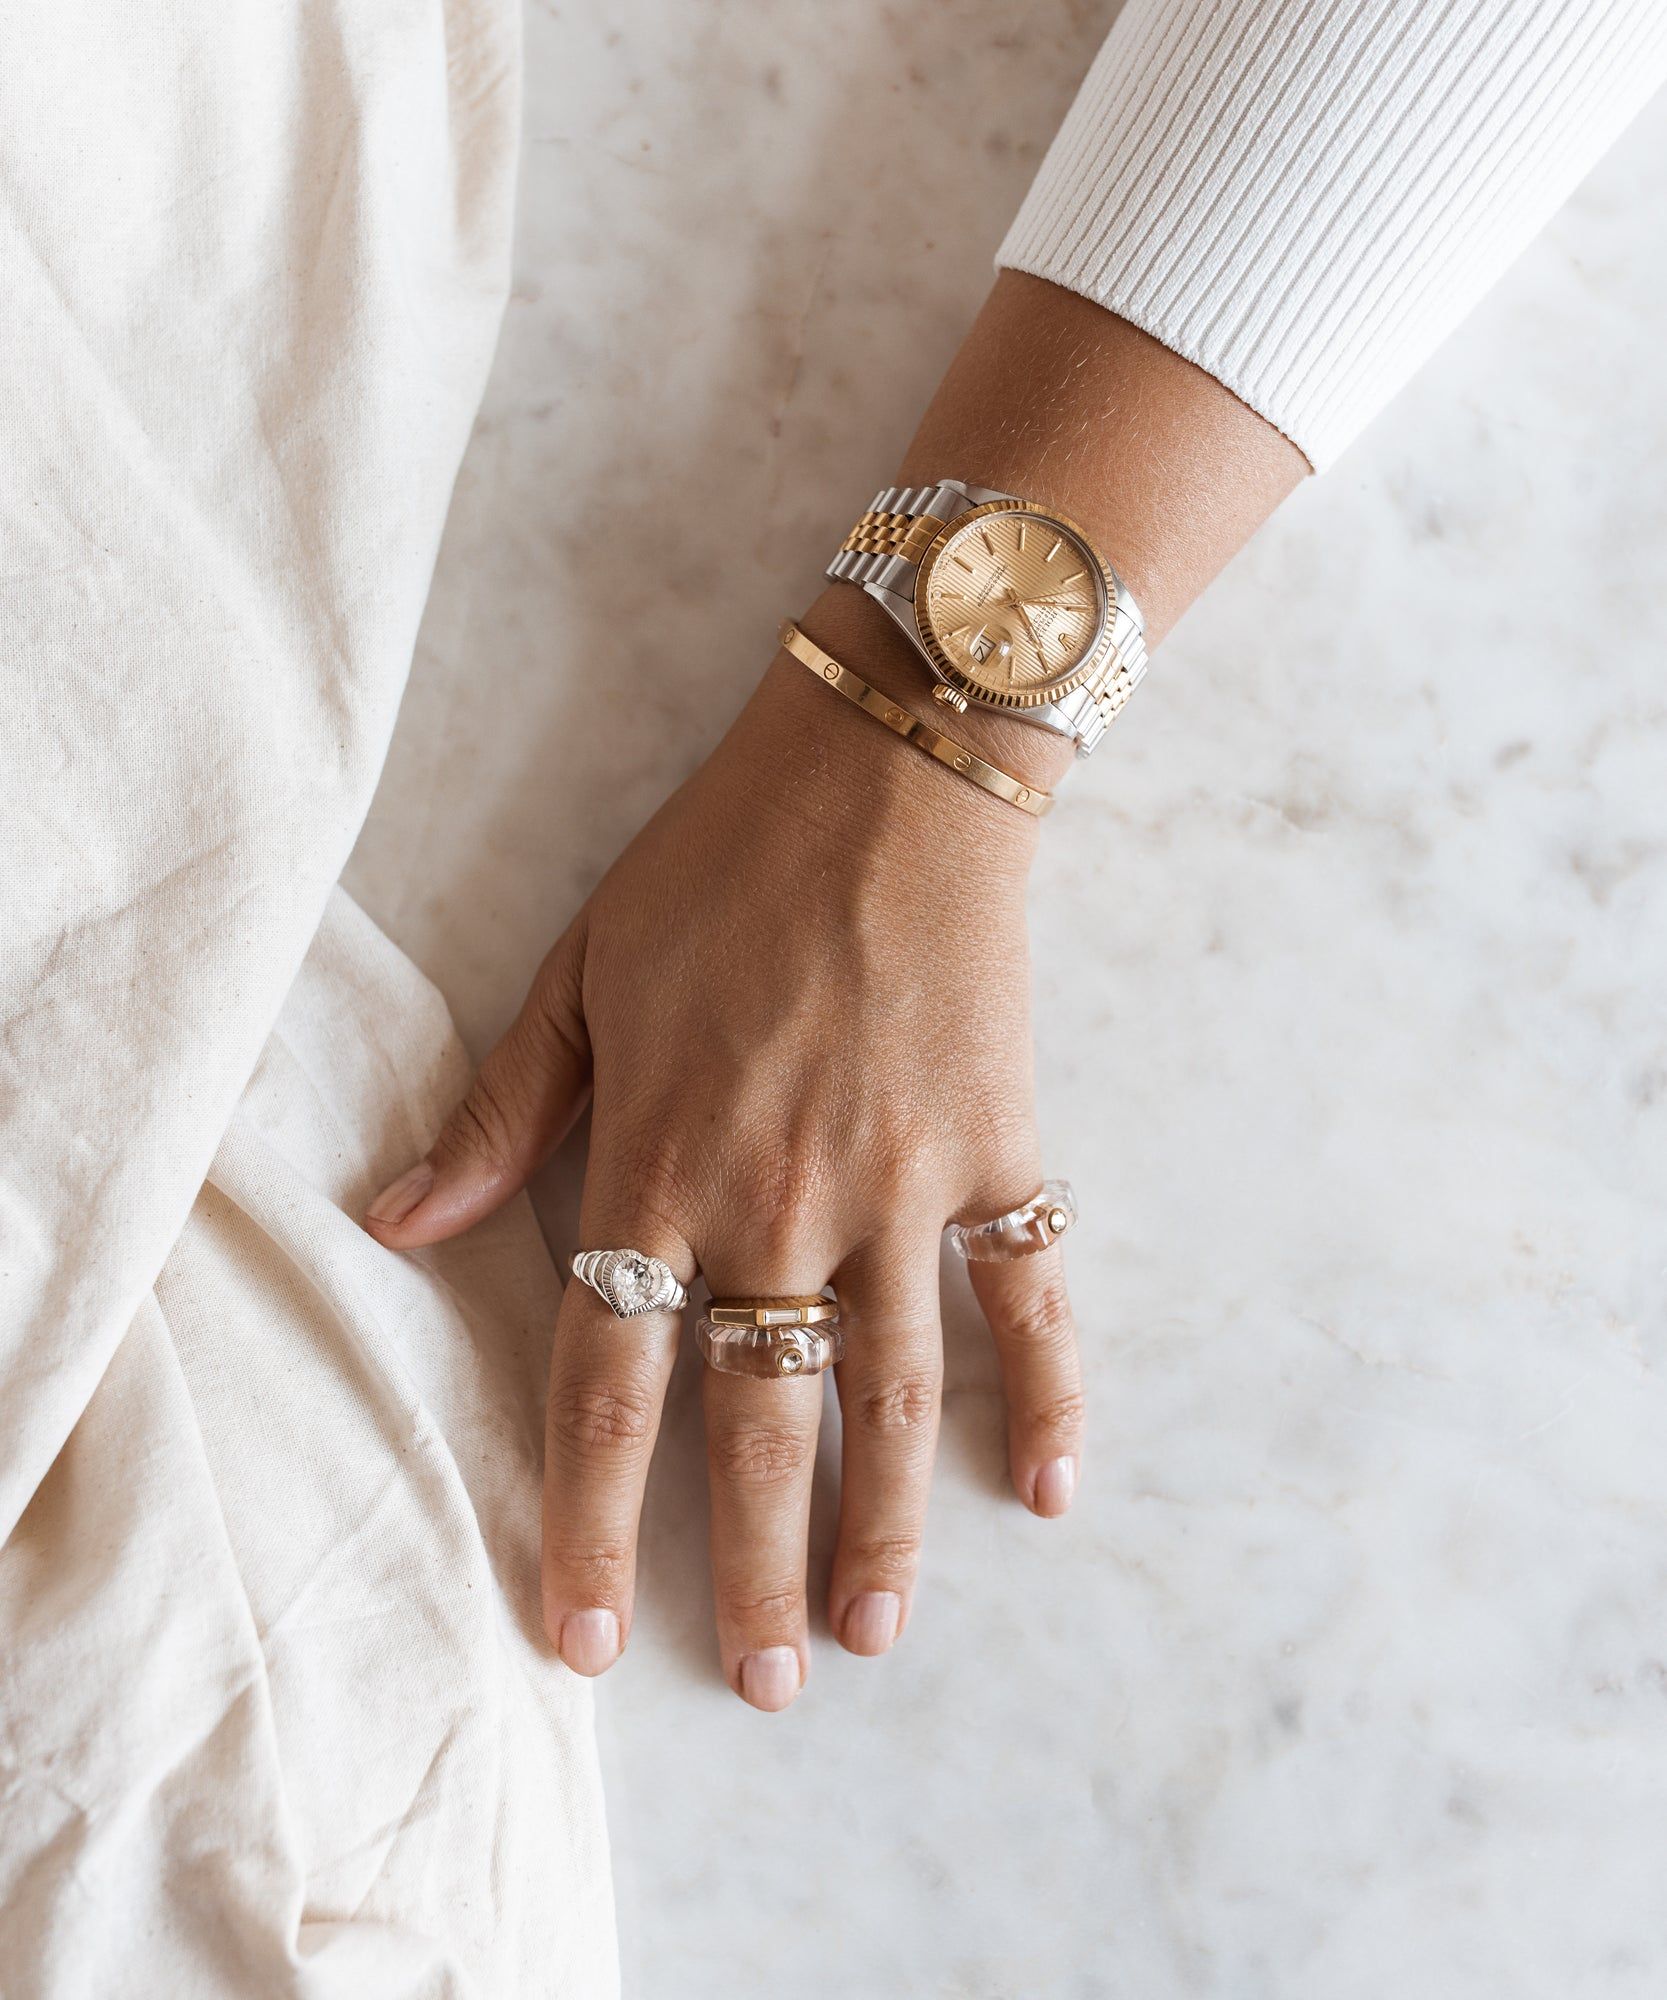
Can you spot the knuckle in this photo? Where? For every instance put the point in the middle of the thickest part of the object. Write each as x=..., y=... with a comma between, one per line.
x=788, y=1197
x=480, y=1127
x=907, y=1403
x=522, y=1060
x=758, y=1455
x=778, y=1236
x=898, y=1163
x=1043, y=1317
x=649, y=1175
x=894, y=1557
x=555, y=1004
x=1057, y=1417
x=591, y=1418
x=601, y=1569
x=769, y=1607
x=1011, y=1152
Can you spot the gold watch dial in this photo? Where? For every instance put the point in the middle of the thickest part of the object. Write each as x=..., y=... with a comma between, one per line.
x=1016, y=603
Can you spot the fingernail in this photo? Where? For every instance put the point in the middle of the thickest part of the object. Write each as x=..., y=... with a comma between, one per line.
x=871, y=1621
x=589, y=1641
x=770, y=1679
x=397, y=1200
x=1055, y=1484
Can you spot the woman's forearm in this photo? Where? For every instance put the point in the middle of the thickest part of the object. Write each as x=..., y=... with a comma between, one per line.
x=1054, y=398
x=1306, y=196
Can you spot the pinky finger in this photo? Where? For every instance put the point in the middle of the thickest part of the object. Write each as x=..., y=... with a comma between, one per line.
x=1041, y=1371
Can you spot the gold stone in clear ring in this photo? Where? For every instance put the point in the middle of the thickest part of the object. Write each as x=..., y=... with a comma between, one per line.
x=773, y=1352
x=630, y=1282
x=1034, y=1225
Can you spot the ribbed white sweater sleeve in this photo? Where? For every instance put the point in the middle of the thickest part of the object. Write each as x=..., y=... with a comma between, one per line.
x=1305, y=196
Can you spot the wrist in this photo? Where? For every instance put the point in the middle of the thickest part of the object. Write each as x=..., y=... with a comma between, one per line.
x=814, y=761
x=1166, y=470
x=847, y=623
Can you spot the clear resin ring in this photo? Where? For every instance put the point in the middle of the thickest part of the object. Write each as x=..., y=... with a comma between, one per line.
x=1032, y=1226
x=629, y=1282
x=771, y=1351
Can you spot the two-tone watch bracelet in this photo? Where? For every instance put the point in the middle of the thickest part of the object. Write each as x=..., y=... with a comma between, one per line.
x=988, y=777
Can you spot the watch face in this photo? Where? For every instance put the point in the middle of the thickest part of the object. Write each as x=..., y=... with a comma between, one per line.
x=1013, y=604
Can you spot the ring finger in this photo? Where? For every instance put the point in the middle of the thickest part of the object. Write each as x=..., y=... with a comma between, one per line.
x=890, y=1385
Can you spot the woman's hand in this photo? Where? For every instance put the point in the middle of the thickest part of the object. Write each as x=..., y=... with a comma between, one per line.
x=800, y=1001
x=799, y=997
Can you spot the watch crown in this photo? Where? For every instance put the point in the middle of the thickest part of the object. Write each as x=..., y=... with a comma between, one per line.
x=950, y=697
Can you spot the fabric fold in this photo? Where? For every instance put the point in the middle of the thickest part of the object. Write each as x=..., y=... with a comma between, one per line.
x=278, y=1718
x=276, y=1714
x=254, y=263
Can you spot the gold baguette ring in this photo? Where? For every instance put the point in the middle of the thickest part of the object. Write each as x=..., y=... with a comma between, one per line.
x=803, y=1309
x=988, y=777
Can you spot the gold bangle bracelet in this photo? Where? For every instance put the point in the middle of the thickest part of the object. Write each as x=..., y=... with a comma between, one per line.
x=910, y=727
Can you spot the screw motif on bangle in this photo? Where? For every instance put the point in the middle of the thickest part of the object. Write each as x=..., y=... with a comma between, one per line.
x=956, y=756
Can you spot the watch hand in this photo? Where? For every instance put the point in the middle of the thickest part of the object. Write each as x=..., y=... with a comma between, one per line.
x=1011, y=598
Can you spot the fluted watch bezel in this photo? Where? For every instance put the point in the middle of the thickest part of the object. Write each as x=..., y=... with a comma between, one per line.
x=1042, y=693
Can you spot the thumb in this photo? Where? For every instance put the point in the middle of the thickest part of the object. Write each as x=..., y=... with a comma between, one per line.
x=526, y=1096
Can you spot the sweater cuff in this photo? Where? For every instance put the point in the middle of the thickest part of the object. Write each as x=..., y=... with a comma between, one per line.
x=1304, y=198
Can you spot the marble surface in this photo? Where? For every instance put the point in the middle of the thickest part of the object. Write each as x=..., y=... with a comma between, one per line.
x=1348, y=1675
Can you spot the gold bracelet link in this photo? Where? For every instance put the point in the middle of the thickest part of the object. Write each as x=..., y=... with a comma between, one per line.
x=885, y=531
x=879, y=533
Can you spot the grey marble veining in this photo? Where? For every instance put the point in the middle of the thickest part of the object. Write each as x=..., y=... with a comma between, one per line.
x=1347, y=1677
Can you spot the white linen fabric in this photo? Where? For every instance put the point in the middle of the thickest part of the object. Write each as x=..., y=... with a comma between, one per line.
x=274, y=1713
x=254, y=257
x=1304, y=197
x=278, y=1717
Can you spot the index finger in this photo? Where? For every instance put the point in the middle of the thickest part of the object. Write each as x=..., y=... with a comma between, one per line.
x=608, y=1379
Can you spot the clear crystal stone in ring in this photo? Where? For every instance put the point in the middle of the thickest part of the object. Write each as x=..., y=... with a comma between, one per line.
x=630, y=1282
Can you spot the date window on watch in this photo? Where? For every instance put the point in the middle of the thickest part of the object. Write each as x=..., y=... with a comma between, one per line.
x=981, y=646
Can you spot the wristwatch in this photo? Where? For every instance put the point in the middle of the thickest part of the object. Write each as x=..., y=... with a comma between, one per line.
x=1009, y=603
